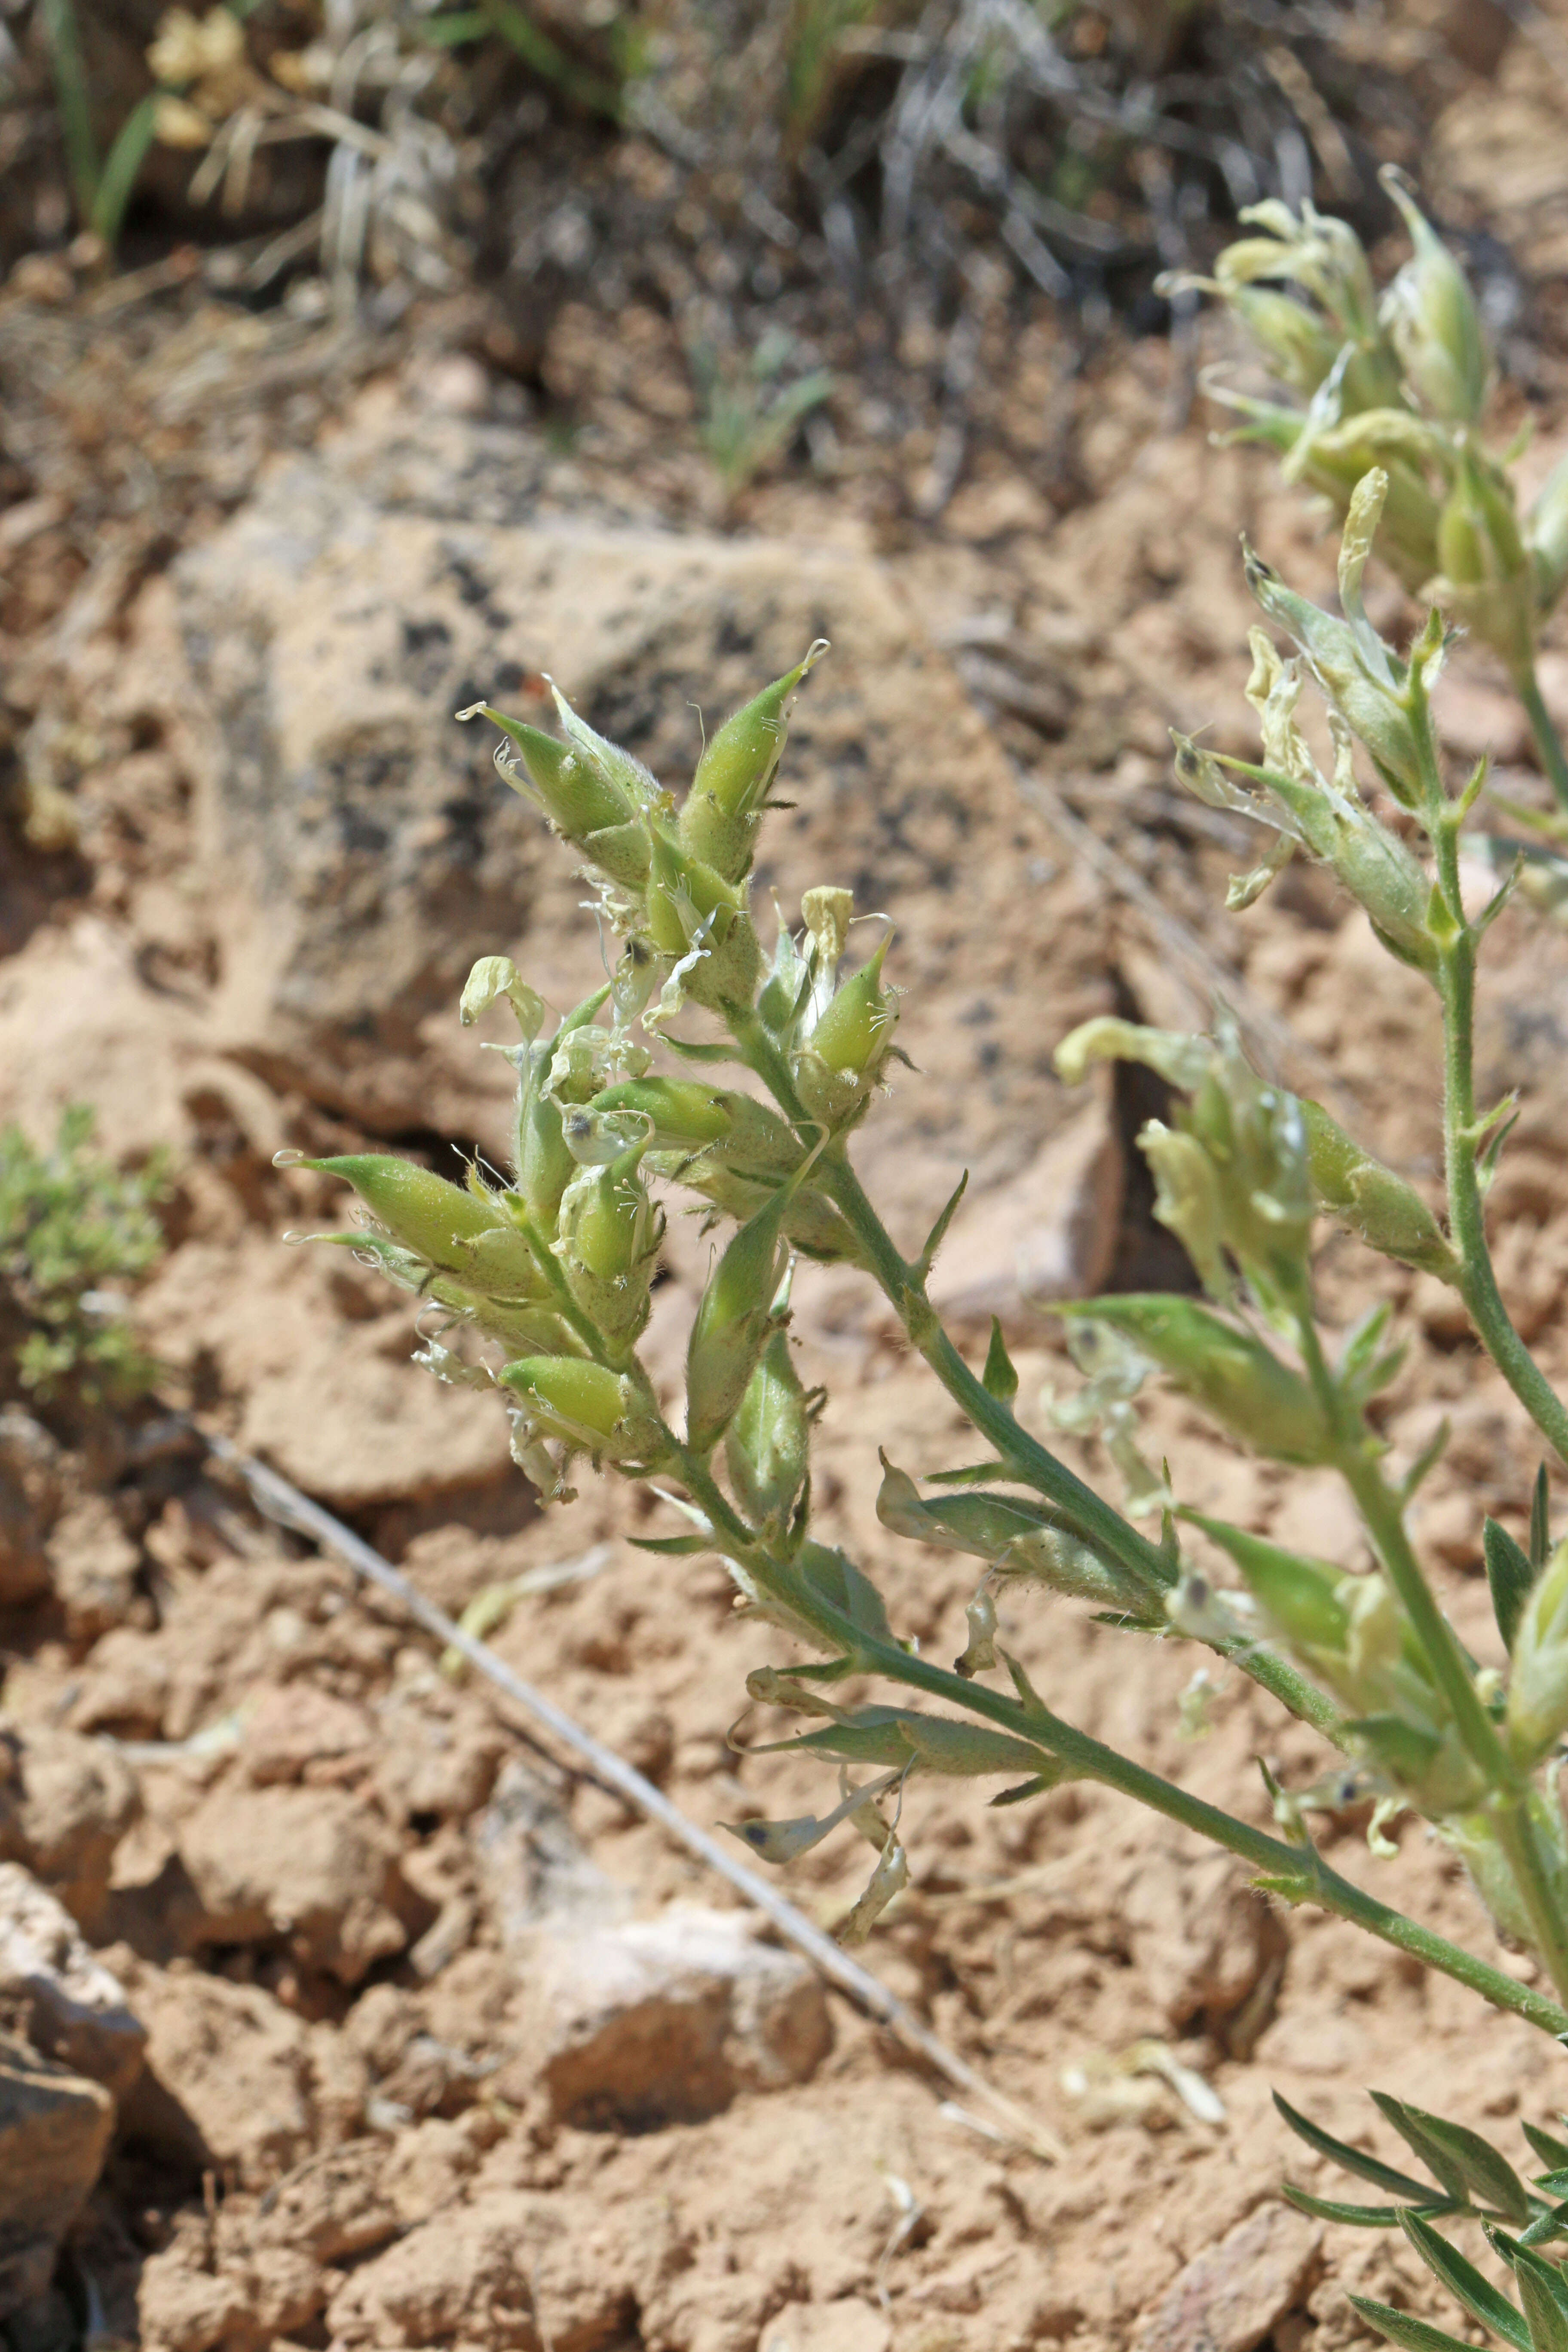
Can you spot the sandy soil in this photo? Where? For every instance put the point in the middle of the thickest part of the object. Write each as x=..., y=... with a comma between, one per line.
x=293, y=1838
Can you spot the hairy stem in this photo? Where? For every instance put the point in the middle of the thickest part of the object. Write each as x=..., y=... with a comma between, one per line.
x=1298, y=1874
x=1467, y=1217
x=1521, y=1842
x=1548, y=742
x=1032, y=1464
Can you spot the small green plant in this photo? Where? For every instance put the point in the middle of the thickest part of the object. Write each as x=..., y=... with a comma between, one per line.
x=749, y=416
x=102, y=186
x=538, y=1288
x=1400, y=381
x=72, y=1226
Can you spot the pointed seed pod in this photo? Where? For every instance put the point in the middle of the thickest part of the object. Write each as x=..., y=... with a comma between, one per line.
x=1431, y=314
x=854, y=1032
x=1299, y=1596
x=420, y=1210
x=585, y=1403
x=767, y=1445
x=733, y=1323
x=545, y=1162
x=1538, y=1684
x=685, y=1115
x=686, y=895
x=724, y=810
x=578, y=796
x=1236, y=1379
x=1547, y=532
x=1359, y=1191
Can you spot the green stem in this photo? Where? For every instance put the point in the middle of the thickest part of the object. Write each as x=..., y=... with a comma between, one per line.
x=1384, y=1518
x=1521, y=1839
x=1466, y=1218
x=1518, y=1831
x=1548, y=741
x=1384, y=1524
x=1035, y=1465
x=1030, y=1461
x=1298, y=1874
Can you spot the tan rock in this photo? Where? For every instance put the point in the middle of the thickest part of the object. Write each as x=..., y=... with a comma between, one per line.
x=69, y=2005
x=334, y=2206
x=661, y=2020
x=1229, y=2296
x=512, y=2270
x=1050, y=1234
x=533, y=1868
x=291, y=1726
x=847, y=2326
x=53, y=2134
x=192, y=2296
x=65, y=1804
x=363, y=852
x=93, y=1566
x=228, y=2081
x=314, y=1865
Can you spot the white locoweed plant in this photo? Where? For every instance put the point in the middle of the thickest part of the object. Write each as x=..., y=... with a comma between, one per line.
x=538, y=1287
x=1400, y=381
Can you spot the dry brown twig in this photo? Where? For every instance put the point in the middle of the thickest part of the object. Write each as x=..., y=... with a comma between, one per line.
x=278, y=1499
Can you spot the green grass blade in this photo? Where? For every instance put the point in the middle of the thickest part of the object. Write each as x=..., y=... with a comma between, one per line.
x=1510, y=1575
x=1552, y=2151
x=122, y=171
x=540, y=53
x=1540, y=1520
x=1354, y=2159
x=1328, y=2209
x=1466, y=2285
x=1540, y=2292
x=63, y=36
x=1466, y=2164
x=1410, y=2334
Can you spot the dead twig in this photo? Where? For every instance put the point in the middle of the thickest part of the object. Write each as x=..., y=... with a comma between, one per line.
x=283, y=1503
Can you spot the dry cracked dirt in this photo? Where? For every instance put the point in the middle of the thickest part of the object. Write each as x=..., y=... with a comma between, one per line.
x=338, y=2009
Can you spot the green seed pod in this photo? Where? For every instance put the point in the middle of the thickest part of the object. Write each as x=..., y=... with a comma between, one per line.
x=1431, y=314
x=1239, y=1381
x=1538, y=1684
x=1017, y=1538
x=521, y=1331
x=584, y=1403
x=421, y=1211
x=622, y=852
x=1299, y=1597
x=724, y=810
x=767, y=1445
x=853, y=1034
x=634, y=788
x=1360, y=1192
x=500, y=1264
x=577, y=793
x=733, y=1322
x=687, y=896
x=609, y=1242
x=1547, y=534
x=685, y=1115
x=726, y=980
x=960, y=1750
x=1297, y=344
